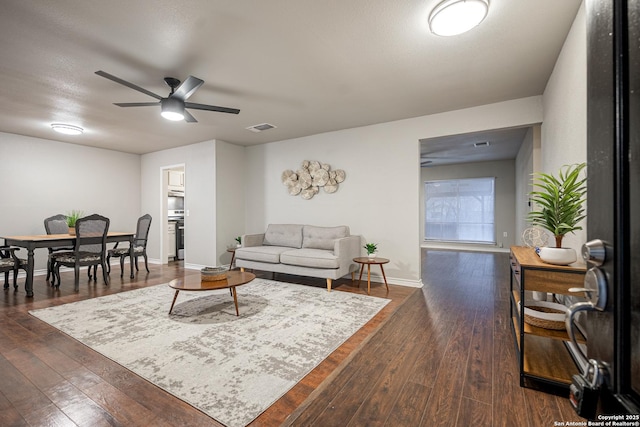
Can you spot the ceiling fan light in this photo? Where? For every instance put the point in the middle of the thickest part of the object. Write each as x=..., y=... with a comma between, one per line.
x=172, y=115
x=172, y=109
x=67, y=129
x=453, y=17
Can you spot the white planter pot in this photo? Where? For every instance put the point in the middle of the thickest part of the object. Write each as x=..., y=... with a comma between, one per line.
x=371, y=256
x=558, y=256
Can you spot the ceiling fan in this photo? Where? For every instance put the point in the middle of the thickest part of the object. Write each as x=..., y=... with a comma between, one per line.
x=427, y=158
x=173, y=107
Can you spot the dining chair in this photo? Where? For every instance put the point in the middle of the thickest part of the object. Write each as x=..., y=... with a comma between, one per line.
x=9, y=261
x=90, y=248
x=139, y=246
x=56, y=224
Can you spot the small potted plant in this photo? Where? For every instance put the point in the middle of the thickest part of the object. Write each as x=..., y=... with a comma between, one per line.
x=72, y=217
x=560, y=202
x=239, y=240
x=371, y=249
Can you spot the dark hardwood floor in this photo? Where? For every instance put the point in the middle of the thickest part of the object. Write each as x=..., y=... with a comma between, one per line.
x=442, y=355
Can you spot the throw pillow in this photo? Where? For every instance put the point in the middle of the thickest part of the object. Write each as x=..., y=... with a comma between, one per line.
x=322, y=237
x=289, y=235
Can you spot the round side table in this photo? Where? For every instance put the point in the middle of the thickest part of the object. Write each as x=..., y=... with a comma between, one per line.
x=233, y=257
x=368, y=261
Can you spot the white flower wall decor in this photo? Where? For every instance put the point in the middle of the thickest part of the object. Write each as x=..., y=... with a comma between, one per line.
x=312, y=176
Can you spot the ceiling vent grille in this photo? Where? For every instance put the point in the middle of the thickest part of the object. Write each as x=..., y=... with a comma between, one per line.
x=261, y=127
x=481, y=144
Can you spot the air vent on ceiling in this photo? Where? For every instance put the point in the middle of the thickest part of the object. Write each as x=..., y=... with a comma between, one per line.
x=481, y=144
x=261, y=127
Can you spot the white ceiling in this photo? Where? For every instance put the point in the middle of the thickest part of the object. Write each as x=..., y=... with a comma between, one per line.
x=501, y=144
x=305, y=66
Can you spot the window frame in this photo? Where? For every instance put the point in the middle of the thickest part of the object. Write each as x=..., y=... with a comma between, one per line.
x=458, y=223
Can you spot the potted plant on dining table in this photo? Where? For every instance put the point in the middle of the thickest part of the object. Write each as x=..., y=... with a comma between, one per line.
x=72, y=217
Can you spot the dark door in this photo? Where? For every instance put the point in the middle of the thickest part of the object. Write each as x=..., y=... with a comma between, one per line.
x=613, y=198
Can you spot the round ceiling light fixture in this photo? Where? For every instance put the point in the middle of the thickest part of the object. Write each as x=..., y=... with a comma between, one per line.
x=172, y=109
x=67, y=129
x=453, y=17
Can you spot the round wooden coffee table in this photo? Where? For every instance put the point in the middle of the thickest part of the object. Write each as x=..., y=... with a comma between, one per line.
x=194, y=283
x=368, y=261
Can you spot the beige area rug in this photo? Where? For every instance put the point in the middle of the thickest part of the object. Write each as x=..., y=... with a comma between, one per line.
x=232, y=368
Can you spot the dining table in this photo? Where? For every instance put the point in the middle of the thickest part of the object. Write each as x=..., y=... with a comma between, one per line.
x=30, y=243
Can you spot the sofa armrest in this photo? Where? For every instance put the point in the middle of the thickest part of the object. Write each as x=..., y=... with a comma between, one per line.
x=347, y=248
x=249, y=240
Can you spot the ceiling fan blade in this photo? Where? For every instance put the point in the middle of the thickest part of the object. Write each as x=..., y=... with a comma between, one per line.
x=211, y=108
x=187, y=88
x=432, y=157
x=136, y=104
x=188, y=117
x=127, y=84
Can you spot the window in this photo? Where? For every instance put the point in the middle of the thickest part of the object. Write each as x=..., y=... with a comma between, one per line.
x=460, y=210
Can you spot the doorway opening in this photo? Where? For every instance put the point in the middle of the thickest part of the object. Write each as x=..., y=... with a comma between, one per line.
x=472, y=220
x=173, y=213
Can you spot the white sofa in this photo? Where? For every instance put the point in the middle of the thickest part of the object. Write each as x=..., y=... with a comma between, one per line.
x=304, y=250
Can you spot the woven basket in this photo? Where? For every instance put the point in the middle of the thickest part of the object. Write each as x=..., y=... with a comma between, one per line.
x=547, y=315
x=212, y=274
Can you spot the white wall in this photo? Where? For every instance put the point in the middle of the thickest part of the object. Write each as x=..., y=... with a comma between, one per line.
x=230, y=197
x=43, y=178
x=200, y=201
x=376, y=200
x=505, y=214
x=524, y=169
x=380, y=198
x=564, y=129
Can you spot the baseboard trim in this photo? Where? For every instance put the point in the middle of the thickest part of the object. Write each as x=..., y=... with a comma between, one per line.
x=43, y=271
x=462, y=247
x=391, y=280
x=374, y=277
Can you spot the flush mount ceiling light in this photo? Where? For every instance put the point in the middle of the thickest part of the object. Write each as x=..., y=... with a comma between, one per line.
x=67, y=129
x=453, y=17
x=172, y=109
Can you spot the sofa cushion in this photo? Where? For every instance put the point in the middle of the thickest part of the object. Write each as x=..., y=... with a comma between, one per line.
x=322, y=237
x=314, y=258
x=261, y=253
x=289, y=235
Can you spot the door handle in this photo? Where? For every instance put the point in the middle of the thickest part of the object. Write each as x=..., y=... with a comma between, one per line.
x=571, y=327
x=595, y=290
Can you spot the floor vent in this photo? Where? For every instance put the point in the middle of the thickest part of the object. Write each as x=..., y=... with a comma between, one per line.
x=261, y=127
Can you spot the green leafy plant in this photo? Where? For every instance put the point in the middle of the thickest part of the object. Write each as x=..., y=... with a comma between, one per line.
x=239, y=240
x=371, y=248
x=560, y=200
x=73, y=216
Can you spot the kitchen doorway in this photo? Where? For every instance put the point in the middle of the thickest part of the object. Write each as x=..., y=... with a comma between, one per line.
x=173, y=209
